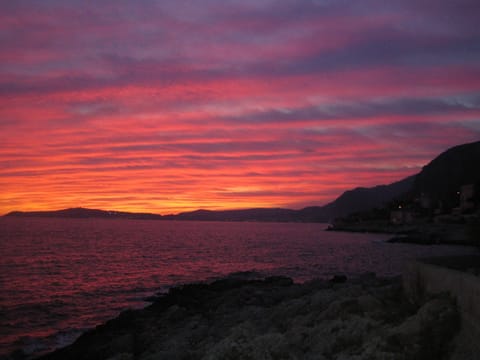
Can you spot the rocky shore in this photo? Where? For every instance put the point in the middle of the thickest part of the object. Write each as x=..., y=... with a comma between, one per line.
x=426, y=233
x=274, y=318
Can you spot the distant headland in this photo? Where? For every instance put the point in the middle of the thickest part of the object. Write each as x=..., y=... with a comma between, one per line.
x=449, y=184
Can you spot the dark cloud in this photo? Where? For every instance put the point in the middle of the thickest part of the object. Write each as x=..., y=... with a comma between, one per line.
x=366, y=109
x=164, y=50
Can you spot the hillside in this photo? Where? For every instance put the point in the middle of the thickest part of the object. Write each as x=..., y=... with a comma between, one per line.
x=362, y=199
x=442, y=178
x=256, y=214
x=359, y=199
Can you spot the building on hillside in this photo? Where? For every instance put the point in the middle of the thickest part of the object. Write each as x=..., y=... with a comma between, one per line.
x=425, y=201
x=401, y=216
x=466, y=194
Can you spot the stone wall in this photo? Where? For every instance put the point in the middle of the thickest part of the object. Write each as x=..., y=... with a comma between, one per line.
x=457, y=276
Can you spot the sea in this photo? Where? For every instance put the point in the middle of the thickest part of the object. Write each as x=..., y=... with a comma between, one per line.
x=61, y=277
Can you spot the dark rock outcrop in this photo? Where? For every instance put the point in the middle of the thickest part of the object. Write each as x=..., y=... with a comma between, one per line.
x=364, y=318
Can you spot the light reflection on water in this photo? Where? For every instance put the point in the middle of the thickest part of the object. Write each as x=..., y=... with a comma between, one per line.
x=61, y=276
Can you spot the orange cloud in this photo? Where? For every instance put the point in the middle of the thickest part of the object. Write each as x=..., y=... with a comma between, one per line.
x=226, y=105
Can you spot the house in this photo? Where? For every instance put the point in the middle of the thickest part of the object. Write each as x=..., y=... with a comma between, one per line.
x=401, y=216
x=466, y=195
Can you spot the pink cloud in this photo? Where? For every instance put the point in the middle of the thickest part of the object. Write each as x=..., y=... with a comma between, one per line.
x=149, y=108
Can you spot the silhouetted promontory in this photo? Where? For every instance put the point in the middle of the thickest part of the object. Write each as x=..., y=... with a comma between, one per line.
x=441, y=207
x=83, y=213
x=353, y=200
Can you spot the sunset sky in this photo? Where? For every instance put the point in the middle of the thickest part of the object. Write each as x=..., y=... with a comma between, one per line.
x=170, y=106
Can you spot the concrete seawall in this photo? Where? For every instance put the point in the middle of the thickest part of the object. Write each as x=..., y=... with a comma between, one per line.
x=455, y=276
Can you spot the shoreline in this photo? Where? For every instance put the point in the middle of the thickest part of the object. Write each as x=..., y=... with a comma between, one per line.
x=237, y=317
x=420, y=233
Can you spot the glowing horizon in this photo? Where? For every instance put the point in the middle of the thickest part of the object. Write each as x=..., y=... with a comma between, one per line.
x=173, y=106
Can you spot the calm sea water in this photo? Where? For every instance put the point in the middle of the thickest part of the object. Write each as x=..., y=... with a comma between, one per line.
x=59, y=277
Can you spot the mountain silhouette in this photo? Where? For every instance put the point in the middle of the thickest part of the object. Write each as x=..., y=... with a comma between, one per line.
x=440, y=180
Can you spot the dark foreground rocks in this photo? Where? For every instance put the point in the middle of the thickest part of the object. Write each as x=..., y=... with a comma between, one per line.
x=365, y=318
